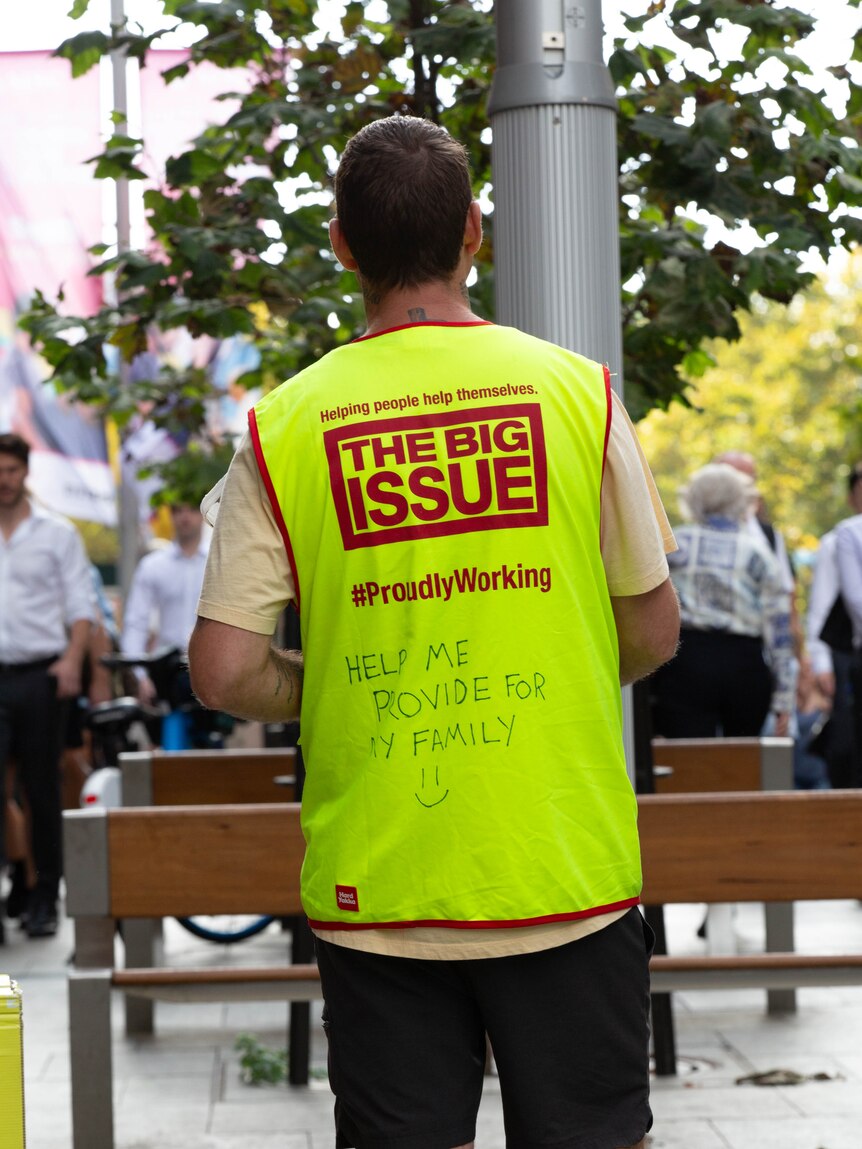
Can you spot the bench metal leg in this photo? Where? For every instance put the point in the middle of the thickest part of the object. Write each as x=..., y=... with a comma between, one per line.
x=143, y=944
x=779, y=939
x=90, y=1057
x=299, y=1037
x=661, y=1005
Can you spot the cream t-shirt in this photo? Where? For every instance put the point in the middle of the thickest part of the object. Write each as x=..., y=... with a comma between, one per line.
x=248, y=583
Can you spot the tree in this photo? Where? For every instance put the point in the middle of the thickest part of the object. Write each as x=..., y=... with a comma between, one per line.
x=785, y=392
x=238, y=225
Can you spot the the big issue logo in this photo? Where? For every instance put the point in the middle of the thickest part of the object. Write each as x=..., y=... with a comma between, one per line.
x=418, y=476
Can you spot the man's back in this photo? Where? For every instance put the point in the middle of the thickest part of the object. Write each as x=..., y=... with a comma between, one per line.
x=446, y=543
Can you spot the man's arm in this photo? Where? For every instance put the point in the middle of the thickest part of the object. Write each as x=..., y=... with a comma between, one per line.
x=242, y=673
x=79, y=611
x=848, y=551
x=67, y=668
x=140, y=604
x=648, y=630
x=824, y=588
x=101, y=679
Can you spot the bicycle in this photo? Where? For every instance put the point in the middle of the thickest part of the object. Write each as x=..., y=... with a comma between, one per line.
x=176, y=722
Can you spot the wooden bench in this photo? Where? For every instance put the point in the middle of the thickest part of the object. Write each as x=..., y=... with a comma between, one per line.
x=767, y=847
x=150, y=863
x=713, y=765
x=710, y=765
x=201, y=778
x=173, y=861
x=208, y=777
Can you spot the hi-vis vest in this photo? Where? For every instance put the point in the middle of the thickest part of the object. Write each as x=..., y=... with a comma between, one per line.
x=438, y=491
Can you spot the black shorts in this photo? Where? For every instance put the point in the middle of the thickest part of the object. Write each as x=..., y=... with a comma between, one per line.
x=569, y=1028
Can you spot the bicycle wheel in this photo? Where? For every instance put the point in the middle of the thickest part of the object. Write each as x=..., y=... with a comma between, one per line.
x=225, y=929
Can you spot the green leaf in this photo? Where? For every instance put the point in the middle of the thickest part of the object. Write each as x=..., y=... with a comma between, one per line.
x=192, y=168
x=84, y=51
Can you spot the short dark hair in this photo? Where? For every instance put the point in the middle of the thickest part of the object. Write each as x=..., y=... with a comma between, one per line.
x=854, y=477
x=402, y=194
x=12, y=444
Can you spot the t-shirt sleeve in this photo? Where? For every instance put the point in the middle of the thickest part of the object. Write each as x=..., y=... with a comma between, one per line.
x=636, y=534
x=248, y=581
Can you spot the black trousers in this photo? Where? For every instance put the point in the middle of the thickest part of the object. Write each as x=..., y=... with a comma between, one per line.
x=856, y=694
x=32, y=721
x=717, y=686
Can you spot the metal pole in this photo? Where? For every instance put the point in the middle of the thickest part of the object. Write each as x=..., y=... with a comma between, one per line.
x=556, y=189
x=121, y=107
x=128, y=500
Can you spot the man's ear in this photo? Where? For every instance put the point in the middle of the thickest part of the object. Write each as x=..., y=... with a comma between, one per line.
x=473, y=229
x=340, y=247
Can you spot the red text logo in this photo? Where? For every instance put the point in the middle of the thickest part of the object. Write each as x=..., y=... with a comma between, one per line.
x=419, y=476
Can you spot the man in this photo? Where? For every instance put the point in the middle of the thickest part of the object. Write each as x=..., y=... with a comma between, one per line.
x=162, y=600
x=848, y=551
x=431, y=498
x=831, y=667
x=48, y=609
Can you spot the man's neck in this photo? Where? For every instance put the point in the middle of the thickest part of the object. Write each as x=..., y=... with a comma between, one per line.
x=12, y=517
x=427, y=303
x=190, y=547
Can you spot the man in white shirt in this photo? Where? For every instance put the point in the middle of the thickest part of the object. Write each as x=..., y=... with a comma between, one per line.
x=832, y=667
x=46, y=611
x=848, y=553
x=162, y=603
x=824, y=590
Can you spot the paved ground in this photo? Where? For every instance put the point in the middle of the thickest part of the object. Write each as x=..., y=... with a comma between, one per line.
x=181, y=1089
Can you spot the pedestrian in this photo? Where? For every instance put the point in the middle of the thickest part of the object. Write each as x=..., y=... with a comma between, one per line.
x=48, y=610
x=757, y=520
x=830, y=663
x=734, y=666
x=475, y=573
x=159, y=616
x=848, y=551
x=162, y=600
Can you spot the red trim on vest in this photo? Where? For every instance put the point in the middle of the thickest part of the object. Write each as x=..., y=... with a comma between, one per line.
x=610, y=409
x=273, y=498
x=426, y=323
x=547, y=919
x=609, y=401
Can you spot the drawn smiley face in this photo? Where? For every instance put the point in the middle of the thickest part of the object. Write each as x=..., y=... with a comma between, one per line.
x=429, y=794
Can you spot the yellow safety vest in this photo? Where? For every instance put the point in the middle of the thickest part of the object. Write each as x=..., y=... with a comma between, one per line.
x=438, y=491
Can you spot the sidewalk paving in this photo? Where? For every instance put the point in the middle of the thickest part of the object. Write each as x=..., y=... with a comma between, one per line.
x=182, y=1088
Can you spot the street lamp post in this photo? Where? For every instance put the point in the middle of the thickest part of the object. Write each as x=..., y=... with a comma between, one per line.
x=554, y=155
x=128, y=501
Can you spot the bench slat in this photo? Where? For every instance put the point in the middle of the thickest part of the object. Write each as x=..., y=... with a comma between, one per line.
x=700, y=765
x=242, y=859
x=282, y=983
x=749, y=847
x=122, y=978
x=197, y=778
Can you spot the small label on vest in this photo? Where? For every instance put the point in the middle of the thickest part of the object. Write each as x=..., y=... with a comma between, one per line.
x=347, y=898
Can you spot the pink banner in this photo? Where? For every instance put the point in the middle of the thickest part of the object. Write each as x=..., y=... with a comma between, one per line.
x=173, y=114
x=50, y=213
x=50, y=205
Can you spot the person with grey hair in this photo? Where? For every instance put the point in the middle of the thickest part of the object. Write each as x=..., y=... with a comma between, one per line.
x=718, y=489
x=734, y=665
